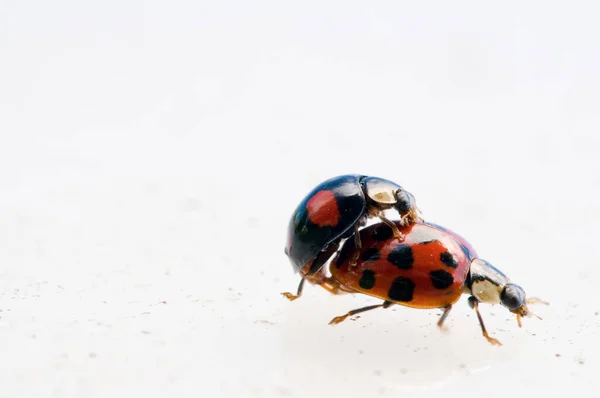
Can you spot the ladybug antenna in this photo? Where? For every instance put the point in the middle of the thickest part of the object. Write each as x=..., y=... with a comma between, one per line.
x=524, y=312
x=537, y=316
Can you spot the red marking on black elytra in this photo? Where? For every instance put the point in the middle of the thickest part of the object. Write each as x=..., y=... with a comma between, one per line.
x=323, y=209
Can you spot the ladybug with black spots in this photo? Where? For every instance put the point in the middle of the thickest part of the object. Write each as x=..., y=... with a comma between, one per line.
x=431, y=268
x=334, y=211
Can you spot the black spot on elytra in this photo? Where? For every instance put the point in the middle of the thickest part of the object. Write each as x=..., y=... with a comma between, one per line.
x=402, y=289
x=441, y=279
x=371, y=254
x=401, y=256
x=367, y=281
x=448, y=259
x=382, y=232
x=347, y=251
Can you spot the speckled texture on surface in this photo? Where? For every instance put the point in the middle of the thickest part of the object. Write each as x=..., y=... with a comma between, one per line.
x=151, y=155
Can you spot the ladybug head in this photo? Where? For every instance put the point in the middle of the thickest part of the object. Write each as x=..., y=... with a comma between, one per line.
x=406, y=205
x=385, y=194
x=513, y=297
x=490, y=285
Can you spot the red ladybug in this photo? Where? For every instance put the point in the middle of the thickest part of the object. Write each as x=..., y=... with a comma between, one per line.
x=431, y=268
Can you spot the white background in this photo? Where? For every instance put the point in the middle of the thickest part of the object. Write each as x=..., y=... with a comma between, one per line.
x=152, y=153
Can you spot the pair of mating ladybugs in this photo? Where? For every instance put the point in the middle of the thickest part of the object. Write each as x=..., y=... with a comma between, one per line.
x=408, y=262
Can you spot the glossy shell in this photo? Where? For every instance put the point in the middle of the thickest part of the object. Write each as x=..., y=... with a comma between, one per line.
x=427, y=270
x=466, y=246
x=323, y=217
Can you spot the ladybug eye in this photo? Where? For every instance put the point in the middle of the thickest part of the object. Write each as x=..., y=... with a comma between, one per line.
x=513, y=297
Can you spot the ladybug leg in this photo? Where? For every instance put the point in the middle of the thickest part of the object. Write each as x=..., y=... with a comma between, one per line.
x=341, y=318
x=333, y=286
x=293, y=297
x=328, y=283
x=319, y=278
x=474, y=303
x=357, y=247
x=399, y=235
x=444, y=316
x=314, y=272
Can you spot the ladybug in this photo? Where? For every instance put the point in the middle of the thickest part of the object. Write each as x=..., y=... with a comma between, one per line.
x=431, y=268
x=335, y=210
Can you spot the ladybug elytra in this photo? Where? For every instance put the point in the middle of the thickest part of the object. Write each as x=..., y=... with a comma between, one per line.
x=335, y=210
x=430, y=268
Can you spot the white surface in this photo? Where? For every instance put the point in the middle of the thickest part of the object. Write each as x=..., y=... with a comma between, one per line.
x=151, y=156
